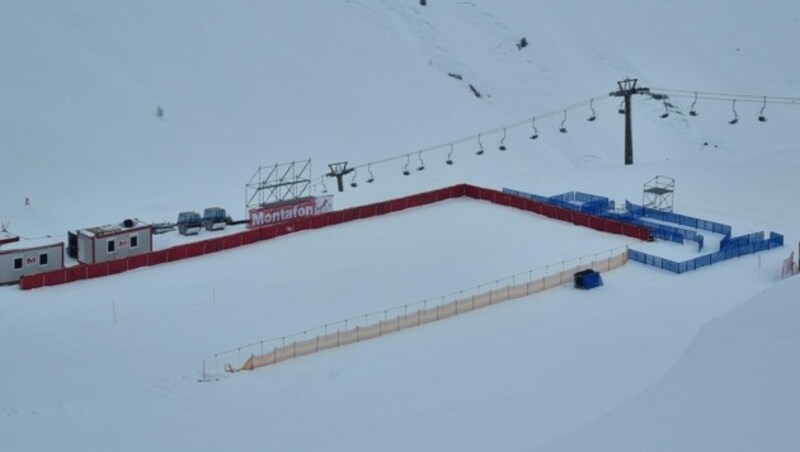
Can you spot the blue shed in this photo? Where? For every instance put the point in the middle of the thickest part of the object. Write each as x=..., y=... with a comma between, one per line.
x=587, y=279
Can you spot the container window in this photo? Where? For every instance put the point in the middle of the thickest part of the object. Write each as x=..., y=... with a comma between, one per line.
x=134, y=241
x=43, y=259
x=111, y=246
x=17, y=263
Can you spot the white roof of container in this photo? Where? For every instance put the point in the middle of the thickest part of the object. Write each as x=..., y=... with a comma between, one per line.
x=24, y=244
x=111, y=229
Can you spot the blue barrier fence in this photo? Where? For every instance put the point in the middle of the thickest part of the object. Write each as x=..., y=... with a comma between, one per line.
x=736, y=247
x=574, y=200
x=677, y=231
x=603, y=207
x=683, y=220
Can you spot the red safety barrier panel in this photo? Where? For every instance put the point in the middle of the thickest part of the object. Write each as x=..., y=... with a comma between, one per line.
x=176, y=253
x=302, y=224
x=157, y=257
x=79, y=272
x=637, y=232
x=533, y=206
x=214, y=245
x=283, y=229
x=368, y=211
x=96, y=270
x=472, y=191
x=31, y=281
x=319, y=221
x=548, y=211
x=428, y=197
x=231, y=241
x=381, y=208
x=502, y=198
x=564, y=215
x=53, y=278
x=398, y=204
x=414, y=201
x=137, y=261
x=350, y=214
x=580, y=219
x=597, y=223
x=517, y=202
x=486, y=194
x=195, y=249
x=251, y=236
x=117, y=266
x=267, y=232
x=335, y=218
x=613, y=227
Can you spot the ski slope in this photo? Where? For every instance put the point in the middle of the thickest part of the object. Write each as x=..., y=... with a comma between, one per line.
x=114, y=363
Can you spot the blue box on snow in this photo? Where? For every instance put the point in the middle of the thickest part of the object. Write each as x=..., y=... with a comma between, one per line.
x=587, y=279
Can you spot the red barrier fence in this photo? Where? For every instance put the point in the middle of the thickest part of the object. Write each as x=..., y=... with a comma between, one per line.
x=88, y=271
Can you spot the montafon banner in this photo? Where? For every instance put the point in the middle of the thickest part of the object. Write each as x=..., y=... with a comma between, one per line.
x=263, y=216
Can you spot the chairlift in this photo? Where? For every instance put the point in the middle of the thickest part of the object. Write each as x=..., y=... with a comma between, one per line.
x=621, y=109
x=563, y=128
x=421, y=162
x=594, y=114
x=450, y=155
x=480, y=146
x=406, y=172
x=692, y=111
x=666, y=111
x=502, y=146
x=535, y=130
x=761, y=116
x=324, y=187
x=735, y=114
x=353, y=182
x=371, y=176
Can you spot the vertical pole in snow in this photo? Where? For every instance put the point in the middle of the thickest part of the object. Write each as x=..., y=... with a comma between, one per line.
x=204, y=370
x=213, y=296
x=114, y=310
x=628, y=88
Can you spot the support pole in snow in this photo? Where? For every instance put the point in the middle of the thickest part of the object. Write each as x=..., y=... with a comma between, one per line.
x=628, y=88
x=339, y=170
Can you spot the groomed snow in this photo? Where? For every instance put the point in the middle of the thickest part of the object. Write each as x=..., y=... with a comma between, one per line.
x=341, y=80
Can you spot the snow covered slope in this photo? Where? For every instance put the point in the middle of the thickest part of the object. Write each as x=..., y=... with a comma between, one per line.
x=735, y=388
x=264, y=82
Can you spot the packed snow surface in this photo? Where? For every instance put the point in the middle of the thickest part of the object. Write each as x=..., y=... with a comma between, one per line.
x=700, y=361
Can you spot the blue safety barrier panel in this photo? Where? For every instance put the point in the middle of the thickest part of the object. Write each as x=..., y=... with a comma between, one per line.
x=738, y=246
